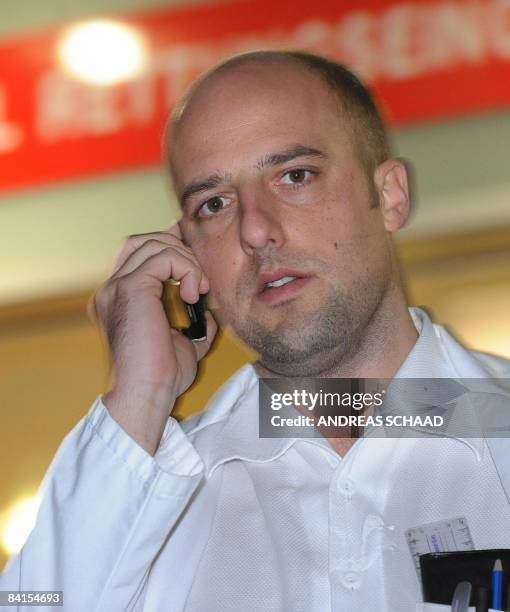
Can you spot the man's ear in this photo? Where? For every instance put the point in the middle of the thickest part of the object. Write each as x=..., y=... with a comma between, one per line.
x=392, y=185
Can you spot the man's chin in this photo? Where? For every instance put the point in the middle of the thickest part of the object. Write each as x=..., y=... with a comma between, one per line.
x=291, y=352
x=305, y=343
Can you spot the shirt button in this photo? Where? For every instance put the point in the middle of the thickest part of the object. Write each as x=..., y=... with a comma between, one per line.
x=351, y=580
x=346, y=487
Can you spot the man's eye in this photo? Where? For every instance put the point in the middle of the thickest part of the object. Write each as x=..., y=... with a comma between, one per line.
x=212, y=206
x=296, y=177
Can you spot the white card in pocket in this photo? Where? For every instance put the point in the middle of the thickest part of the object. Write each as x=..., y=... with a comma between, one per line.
x=430, y=607
x=451, y=535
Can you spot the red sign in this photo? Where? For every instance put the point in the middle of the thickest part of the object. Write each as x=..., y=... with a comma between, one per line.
x=425, y=59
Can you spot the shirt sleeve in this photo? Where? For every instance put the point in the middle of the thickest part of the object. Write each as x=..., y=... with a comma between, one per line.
x=107, y=507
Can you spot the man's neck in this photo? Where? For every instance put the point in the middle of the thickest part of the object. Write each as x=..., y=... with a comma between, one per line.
x=341, y=445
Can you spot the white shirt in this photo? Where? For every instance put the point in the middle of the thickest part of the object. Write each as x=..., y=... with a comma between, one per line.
x=220, y=520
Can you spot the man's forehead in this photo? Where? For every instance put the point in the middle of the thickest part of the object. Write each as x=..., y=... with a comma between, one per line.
x=247, y=151
x=254, y=109
x=242, y=93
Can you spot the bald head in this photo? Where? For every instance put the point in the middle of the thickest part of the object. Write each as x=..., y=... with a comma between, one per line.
x=277, y=71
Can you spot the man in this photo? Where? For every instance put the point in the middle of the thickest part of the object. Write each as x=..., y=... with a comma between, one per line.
x=289, y=198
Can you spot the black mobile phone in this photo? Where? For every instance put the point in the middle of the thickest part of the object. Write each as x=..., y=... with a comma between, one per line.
x=187, y=318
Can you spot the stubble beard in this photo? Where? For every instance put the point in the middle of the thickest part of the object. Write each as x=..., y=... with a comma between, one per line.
x=322, y=342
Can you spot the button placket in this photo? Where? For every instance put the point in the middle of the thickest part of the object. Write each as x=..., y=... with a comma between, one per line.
x=344, y=549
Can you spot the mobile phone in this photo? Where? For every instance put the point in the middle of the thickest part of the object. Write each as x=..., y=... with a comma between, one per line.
x=187, y=318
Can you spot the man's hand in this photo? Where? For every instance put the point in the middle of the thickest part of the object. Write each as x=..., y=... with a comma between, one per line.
x=153, y=364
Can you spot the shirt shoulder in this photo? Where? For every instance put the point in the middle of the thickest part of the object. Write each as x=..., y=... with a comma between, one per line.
x=468, y=363
x=494, y=365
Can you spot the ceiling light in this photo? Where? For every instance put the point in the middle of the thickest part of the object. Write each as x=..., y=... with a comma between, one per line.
x=102, y=52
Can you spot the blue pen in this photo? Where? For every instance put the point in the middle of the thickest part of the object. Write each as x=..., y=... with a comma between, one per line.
x=497, y=585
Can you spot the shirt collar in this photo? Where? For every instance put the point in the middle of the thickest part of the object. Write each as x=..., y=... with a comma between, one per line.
x=428, y=357
x=228, y=428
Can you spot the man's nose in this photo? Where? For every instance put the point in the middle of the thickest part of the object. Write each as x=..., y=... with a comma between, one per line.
x=261, y=221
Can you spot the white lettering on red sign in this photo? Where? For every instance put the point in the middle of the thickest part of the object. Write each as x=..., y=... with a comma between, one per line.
x=11, y=135
x=68, y=109
x=500, y=27
x=402, y=42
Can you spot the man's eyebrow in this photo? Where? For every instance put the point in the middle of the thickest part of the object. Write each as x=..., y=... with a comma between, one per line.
x=274, y=159
x=199, y=186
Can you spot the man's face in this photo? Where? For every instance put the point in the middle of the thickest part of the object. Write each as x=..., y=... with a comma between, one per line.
x=273, y=189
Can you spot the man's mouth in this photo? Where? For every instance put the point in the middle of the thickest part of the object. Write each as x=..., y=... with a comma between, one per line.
x=280, y=284
x=281, y=281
